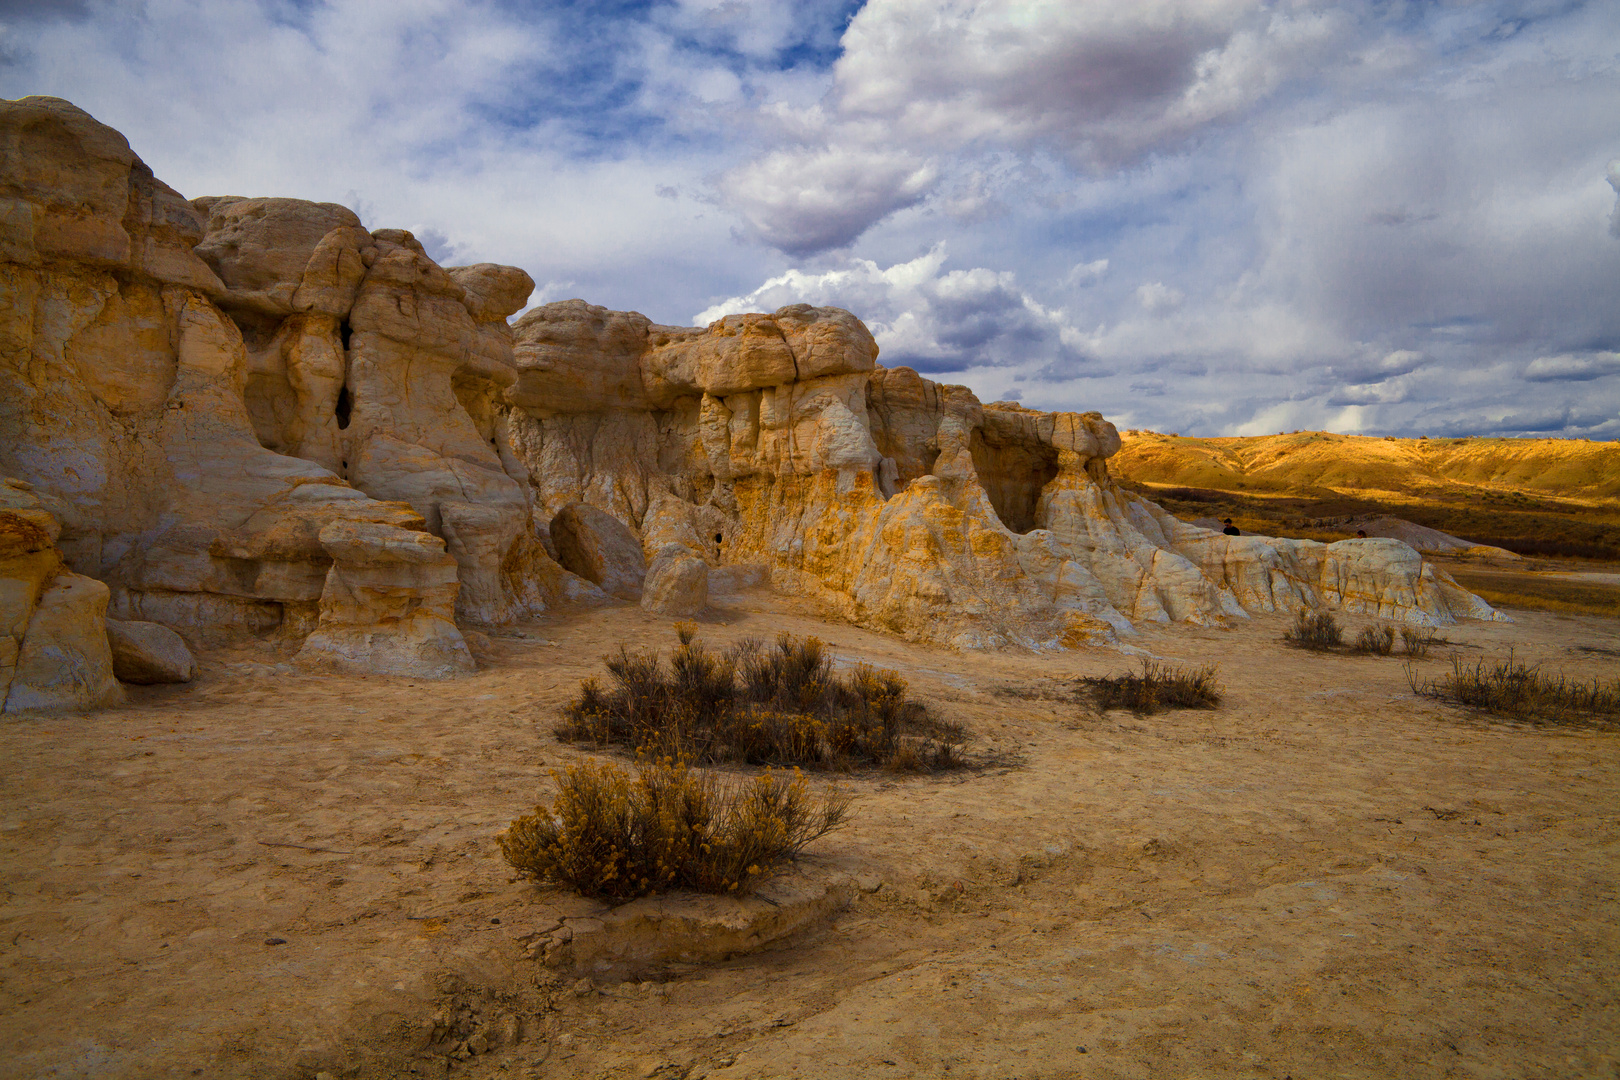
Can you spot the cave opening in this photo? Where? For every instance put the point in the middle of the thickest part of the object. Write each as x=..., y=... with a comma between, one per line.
x=1013, y=475
x=345, y=333
x=345, y=405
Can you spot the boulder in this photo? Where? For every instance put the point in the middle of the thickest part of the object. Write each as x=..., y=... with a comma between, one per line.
x=601, y=549
x=388, y=607
x=261, y=248
x=677, y=583
x=146, y=653
x=65, y=662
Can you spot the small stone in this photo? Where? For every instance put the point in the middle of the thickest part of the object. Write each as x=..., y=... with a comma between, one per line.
x=584, y=987
x=478, y=1044
x=869, y=883
x=275, y=941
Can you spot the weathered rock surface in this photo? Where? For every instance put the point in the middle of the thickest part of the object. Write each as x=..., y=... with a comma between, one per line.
x=677, y=583
x=656, y=932
x=53, y=637
x=252, y=417
x=388, y=605
x=599, y=548
x=902, y=504
x=63, y=662
x=146, y=653
x=195, y=390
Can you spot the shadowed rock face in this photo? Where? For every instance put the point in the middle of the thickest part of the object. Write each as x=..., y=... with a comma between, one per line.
x=251, y=416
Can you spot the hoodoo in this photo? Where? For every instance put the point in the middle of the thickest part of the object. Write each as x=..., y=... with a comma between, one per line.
x=251, y=417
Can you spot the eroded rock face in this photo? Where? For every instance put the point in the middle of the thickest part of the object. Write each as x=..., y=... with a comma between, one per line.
x=196, y=390
x=902, y=504
x=388, y=606
x=242, y=417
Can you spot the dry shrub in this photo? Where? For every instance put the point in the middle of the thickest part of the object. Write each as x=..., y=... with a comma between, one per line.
x=1417, y=642
x=1159, y=687
x=611, y=835
x=1376, y=640
x=1521, y=692
x=1319, y=632
x=783, y=705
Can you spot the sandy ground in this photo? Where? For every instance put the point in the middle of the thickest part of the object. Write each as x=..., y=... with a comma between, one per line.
x=270, y=875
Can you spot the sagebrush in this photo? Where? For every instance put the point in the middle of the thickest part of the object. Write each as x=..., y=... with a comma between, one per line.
x=612, y=835
x=1520, y=691
x=1160, y=686
x=1377, y=640
x=1319, y=631
x=779, y=705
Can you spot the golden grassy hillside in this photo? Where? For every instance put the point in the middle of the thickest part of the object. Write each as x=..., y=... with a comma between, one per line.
x=1533, y=496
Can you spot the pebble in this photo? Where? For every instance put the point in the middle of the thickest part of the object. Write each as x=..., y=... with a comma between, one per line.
x=275, y=941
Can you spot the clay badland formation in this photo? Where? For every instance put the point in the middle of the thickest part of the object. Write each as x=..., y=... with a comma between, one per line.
x=237, y=417
x=252, y=429
x=1533, y=496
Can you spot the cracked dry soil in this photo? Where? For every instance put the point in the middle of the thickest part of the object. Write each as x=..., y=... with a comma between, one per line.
x=279, y=876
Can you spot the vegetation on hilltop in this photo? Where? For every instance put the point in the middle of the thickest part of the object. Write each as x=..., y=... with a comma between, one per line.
x=1531, y=496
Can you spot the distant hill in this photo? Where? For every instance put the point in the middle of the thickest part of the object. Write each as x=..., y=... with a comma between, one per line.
x=1532, y=496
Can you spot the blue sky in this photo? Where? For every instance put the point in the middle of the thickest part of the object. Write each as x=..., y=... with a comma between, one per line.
x=1205, y=216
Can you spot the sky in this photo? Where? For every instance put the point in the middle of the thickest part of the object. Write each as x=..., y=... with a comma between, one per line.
x=1212, y=217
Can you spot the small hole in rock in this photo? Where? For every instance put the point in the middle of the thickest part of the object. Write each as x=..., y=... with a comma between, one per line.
x=719, y=538
x=344, y=406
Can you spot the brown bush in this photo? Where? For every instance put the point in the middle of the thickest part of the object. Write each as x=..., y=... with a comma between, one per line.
x=1521, y=691
x=1376, y=640
x=1159, y=687
x=1417, y=642
x=1319, y=632
x=611, y=835
x=783, y=705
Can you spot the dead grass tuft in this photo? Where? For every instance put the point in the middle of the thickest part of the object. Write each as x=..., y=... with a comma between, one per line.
x=608, y=834
x=1375, y=640
x=782, y=705
x=1158, y=687
x=1417, y=642
x=1521, y=691
x=1319, y=632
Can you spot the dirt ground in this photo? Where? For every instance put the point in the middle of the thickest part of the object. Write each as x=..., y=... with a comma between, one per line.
x=265, y=874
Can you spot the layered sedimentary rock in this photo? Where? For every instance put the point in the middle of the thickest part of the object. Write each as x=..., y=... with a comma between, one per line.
x=253, y=416
x=198, y=391
x=902, y=504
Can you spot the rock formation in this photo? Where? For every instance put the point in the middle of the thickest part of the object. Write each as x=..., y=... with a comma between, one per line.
x=253, y=416
x=903, y=504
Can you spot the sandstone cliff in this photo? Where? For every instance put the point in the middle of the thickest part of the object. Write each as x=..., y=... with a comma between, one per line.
x=902, y=504
x=252, y=416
